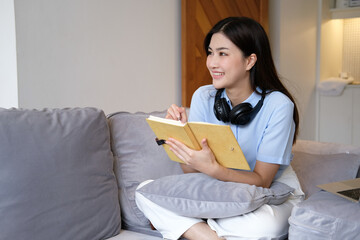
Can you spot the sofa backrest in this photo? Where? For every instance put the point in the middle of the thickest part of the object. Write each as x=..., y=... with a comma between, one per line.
x=315, y=147
x=319, y=163
x=137, y=158
x=56, y=175
x=324, y=147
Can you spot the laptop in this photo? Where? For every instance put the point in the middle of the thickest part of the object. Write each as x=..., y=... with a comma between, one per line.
x=349, y=189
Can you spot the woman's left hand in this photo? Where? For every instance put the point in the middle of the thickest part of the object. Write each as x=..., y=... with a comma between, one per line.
x=203, y=160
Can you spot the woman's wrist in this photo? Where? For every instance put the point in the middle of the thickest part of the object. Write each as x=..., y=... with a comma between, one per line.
x=217, y=171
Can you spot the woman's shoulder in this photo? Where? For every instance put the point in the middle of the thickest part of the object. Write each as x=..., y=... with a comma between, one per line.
x=277, y=101
x=205, y=92
x=206, y=88
x=278, y=98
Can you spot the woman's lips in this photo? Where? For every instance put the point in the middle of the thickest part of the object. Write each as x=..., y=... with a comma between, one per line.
x=217, y=75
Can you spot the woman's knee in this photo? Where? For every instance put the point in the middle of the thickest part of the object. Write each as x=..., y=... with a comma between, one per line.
x=267, y=222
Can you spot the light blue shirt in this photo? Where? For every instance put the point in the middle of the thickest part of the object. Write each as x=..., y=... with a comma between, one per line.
x=267, y=138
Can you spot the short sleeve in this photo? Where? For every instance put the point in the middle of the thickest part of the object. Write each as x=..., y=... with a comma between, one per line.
x=277, y=139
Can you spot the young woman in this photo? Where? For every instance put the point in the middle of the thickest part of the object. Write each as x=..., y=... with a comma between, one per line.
x=247, y=94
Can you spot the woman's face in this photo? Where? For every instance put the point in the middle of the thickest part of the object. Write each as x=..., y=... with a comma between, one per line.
x=226, y=63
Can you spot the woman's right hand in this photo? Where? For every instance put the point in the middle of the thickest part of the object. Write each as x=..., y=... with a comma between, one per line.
x=176, y=113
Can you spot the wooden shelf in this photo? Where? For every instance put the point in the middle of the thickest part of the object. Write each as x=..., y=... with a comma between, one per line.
x=340, y=13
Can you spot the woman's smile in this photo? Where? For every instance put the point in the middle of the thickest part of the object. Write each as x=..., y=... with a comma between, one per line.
x=217, y=75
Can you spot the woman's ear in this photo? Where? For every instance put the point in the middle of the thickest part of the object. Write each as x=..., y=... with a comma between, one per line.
x=251, y=60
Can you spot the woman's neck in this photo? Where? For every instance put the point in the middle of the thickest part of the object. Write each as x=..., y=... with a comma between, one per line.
x=238, y=95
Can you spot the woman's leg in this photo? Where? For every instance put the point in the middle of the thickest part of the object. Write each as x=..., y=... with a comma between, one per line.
x=267, y=222
x=201, y=231
x=169, y=224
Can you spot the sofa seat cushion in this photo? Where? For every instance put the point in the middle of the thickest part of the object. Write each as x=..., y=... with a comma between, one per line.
x=131, y=235
x=325, y=216
x=56, y=175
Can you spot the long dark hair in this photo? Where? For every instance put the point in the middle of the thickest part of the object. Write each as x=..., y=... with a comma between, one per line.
x=250, y=37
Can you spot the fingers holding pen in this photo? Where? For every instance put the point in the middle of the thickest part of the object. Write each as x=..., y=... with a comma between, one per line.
x=173, y=113
x=176, y=113
x=183, y=116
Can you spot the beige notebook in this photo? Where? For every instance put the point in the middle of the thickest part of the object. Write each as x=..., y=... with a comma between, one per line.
x=349, y=189
x=221, y=139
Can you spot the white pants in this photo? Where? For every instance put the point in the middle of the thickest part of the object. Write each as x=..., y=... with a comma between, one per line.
x=266, y=222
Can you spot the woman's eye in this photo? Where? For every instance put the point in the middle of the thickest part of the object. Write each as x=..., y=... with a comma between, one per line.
x=209, y=53
x=222, y=54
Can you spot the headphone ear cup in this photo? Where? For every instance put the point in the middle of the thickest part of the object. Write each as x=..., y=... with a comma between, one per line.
x=240, y=114
x=222, y=110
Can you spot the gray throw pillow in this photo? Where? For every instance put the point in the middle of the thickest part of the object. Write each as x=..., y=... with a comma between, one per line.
x=137, y=158
x=315, y=169
x=325, y=216
x=201, y=196
x=56, y=175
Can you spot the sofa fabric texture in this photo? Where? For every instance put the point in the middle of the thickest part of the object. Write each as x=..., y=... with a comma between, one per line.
x=137, y=158
x=63, y=173
x=316, y=169
x=325, y=216
x=326, y=148
x=56, y=175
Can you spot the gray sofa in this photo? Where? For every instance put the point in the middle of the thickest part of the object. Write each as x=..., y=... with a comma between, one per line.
x=72, y=174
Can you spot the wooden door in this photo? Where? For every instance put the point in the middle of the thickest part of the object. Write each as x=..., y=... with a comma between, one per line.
x=198, y=17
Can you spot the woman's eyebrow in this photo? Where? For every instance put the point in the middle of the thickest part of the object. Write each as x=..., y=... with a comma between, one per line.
x=219, y=49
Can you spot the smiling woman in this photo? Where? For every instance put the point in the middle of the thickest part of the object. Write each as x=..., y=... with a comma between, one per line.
x=246, y=94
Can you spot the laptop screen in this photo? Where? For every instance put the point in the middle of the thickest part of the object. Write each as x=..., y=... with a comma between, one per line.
x=353, y=193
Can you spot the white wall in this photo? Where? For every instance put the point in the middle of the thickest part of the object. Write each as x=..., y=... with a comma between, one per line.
x=117, y=55
x=331, y=43
x=8, y=74
x=124, y=55
x=293, y=29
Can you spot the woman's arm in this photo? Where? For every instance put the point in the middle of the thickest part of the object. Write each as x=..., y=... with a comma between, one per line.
x=187, y=168
x=262, y=176
x=204, y=161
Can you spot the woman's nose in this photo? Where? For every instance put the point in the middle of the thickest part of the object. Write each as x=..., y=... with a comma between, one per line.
x=211, y=61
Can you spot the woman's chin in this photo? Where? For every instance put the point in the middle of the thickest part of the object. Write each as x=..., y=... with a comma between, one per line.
x=217, y=84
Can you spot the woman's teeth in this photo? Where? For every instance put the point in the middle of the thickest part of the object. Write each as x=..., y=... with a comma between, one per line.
x=218, y=74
